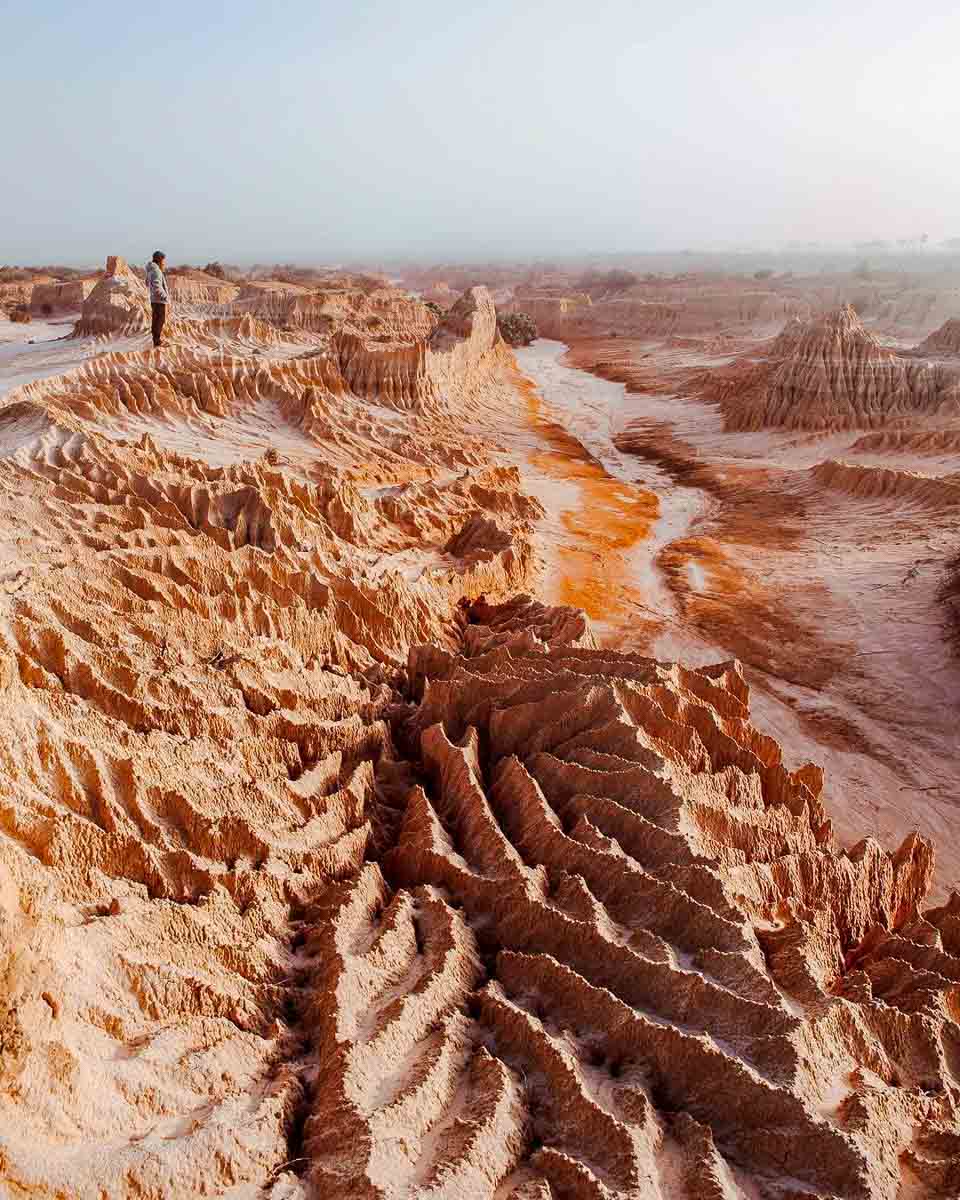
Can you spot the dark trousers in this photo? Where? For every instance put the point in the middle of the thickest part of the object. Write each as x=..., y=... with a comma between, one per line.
x=156, y=326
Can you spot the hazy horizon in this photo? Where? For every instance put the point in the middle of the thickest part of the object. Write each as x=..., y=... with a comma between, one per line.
x=319, y=133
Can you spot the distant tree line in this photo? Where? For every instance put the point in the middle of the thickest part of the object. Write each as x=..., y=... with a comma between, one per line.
x=607, y=282
x=11, y=274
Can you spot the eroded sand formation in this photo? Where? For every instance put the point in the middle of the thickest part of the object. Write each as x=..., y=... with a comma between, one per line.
x=320, y=877
x=832, y=373
x=197, y=287
x=659, y=310
x=945, y=340
x=14, y=296
x=51, y=298
x=621, y=945
x=119, y=304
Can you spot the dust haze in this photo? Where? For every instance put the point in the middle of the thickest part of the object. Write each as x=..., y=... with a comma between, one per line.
x=330, y=132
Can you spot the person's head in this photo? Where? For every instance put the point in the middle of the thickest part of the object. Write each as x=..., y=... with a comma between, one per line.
x=159, y=258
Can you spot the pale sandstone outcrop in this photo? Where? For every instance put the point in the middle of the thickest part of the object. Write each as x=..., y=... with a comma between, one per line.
x=945, y=340
x=375, y=311
x=656, y=312
x=50, y=298
x=118, y=304
x=918, y=309
x=416, y=374
x=197, y=287
x=13, y=295
x=832, y=373
x=281, y=304
x=550, y=309
x=16, y=296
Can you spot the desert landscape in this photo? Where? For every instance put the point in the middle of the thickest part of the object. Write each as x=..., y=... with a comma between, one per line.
x=442, y=768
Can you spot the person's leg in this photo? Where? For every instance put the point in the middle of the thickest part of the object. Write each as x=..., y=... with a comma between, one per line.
x=159, y=313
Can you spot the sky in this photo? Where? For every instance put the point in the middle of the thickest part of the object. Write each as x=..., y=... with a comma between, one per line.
x=316, y=132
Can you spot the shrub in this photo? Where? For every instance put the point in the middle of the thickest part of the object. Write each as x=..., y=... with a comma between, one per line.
x=517, y=328
x=766, y=273
x=435, y=309
x=215, y=269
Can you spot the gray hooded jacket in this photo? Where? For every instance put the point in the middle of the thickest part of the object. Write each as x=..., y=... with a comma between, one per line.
x=157, y=284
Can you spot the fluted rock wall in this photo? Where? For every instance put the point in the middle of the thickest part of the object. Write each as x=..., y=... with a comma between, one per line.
x=568, y=318
x=945, y=340
x=49, y=298
x=462, y=343
x=118, y=304
x=287, y=306
x=374, y=312
x=831, y=373
x=419, y=373
x=918, y=310
x=196, y=287
x=393, y=373
x=15, y=295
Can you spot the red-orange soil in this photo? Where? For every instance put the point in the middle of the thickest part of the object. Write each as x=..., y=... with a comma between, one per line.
x=606, y=522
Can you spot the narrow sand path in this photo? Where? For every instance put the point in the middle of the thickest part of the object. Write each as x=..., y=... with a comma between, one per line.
x=609, y=514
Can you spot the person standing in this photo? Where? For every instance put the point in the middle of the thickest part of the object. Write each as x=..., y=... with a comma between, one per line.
x=159, y=296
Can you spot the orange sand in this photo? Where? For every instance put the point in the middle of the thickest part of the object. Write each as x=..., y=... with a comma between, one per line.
x=611, y=519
